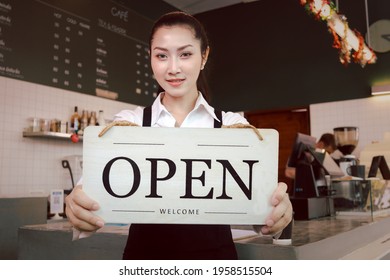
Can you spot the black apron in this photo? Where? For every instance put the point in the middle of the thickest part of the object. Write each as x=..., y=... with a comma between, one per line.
x=179, y=241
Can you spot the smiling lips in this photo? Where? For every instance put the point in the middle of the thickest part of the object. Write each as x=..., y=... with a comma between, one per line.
x=175, y=82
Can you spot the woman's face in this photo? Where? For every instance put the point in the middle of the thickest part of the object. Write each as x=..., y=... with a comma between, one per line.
x=176, y=60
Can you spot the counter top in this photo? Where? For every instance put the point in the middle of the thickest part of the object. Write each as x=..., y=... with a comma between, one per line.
x=335, y=237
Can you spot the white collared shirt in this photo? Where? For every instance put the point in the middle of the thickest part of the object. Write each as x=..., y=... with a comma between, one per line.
x=201, y=116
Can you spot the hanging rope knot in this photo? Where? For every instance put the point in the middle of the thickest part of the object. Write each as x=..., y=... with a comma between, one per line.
x=116, y=123
x=241, y=125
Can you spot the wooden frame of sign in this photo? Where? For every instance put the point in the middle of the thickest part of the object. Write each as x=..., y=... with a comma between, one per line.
x=181, y=175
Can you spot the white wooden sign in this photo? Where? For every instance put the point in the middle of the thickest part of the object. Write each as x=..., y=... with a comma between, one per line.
x=181, y=175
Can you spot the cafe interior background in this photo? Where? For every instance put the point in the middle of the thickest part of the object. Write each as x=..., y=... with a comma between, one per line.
x=266, y=57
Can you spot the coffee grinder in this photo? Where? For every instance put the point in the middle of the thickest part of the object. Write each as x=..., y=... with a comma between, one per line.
x=346, y=140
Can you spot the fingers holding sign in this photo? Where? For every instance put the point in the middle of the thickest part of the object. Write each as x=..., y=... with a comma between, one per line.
x=281, y=214
x=79, y=210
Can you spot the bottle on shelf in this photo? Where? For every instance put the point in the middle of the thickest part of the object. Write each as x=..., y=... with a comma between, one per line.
x=101, y=121
x=92, y=120
x=84, y=121
x=75, y=121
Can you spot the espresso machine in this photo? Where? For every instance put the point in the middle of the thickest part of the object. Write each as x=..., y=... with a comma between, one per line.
x=353, y=193
x=347, y=138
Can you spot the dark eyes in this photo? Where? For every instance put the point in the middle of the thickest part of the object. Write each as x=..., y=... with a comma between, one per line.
x=162, y=56
x=186, y=54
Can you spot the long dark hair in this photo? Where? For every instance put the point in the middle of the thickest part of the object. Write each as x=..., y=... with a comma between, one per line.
x=181, y=18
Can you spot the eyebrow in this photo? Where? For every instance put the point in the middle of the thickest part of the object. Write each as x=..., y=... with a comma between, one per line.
x=179, y=49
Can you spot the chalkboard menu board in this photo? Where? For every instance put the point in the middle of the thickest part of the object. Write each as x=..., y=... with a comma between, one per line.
x=96, y=47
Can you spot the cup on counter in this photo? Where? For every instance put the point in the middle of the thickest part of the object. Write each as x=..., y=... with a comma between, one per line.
x=357, y=171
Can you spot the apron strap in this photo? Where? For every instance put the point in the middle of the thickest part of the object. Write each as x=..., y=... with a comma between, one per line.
x=147, y=117
x=218, y=124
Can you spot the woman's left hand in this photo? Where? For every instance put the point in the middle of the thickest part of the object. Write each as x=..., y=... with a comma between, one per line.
x=281, y=214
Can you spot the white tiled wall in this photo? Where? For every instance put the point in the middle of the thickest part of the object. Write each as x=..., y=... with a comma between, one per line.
x=31, y=165
x=371, y=115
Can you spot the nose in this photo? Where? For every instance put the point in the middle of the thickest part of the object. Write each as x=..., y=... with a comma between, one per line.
x=174, y=66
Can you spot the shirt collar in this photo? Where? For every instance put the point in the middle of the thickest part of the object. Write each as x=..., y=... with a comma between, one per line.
x=158, y=107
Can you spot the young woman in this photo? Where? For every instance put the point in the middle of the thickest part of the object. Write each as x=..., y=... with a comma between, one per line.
x=179, y=50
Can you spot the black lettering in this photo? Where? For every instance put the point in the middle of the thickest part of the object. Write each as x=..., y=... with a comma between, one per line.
x=246, y=190
x=201, y=178
x=153, y=174
x=106, y=177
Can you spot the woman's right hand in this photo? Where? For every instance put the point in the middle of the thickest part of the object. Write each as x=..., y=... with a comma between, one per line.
x=79, y=210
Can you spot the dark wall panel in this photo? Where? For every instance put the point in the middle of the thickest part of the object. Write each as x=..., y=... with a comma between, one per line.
x=273, y=54
x=265, y=54
x=96, y=47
